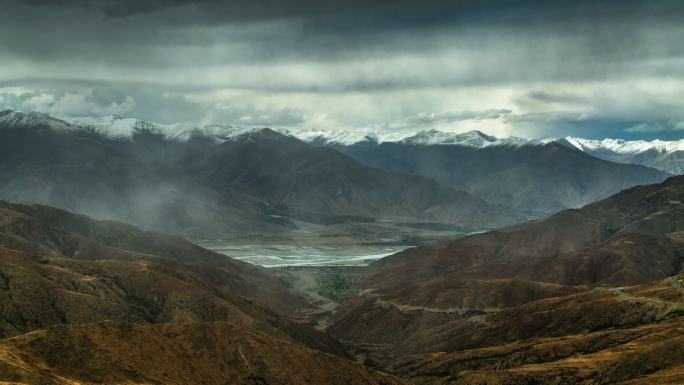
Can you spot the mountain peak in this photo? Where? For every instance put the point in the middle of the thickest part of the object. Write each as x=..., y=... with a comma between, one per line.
x=338, y=137
x=474, y=138
x=19, y=119
x=258, y=134
x=626, y=147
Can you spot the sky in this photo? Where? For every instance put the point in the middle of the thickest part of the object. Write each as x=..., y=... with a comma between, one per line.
x=596, y=69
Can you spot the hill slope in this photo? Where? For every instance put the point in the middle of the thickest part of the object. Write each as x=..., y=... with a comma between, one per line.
x=207, y=353
x=566, y=275
x=58, y=267
x=86, y=301
x=631, y=237
x=627, y=336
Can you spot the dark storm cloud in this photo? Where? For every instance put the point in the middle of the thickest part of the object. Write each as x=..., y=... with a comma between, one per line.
x=408, y=12
x=249, y=10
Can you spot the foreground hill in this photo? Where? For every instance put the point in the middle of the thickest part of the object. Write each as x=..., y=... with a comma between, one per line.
x=87, y=301
x=210, y=186
x=207, y=353
x=630, y=335
x=48, y=232
x=63, y=268
x=537, y=177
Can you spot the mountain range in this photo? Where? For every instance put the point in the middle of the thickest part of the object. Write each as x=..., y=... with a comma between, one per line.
x=538, y=179
x=660, y=154
x=259, y=181
x=218, y=181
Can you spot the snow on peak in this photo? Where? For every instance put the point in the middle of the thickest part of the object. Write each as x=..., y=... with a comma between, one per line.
x=18, y=119
x=431, y=137
x=337, y=137
x=476, y=139
x=121, y=128
x=125, y=128
x=625, y=147
x=254, y=134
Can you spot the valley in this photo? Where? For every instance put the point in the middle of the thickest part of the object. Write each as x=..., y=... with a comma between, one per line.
x=341, y=192
x=355, y=244
x=280, y=255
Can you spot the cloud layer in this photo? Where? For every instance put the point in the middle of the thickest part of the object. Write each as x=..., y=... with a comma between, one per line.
x=530, y=68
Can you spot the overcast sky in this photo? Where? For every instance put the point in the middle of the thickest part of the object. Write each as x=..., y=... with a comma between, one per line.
x=530, y=68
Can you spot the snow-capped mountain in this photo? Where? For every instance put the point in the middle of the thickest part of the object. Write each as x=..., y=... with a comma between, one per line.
x=626, y=147
x=337, y=137
x=122, y=128
x=663, y=155
x=114, y=126
x=16, y=119
x=475, y=139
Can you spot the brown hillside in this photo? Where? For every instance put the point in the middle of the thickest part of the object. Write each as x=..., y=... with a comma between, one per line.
x=184, y=354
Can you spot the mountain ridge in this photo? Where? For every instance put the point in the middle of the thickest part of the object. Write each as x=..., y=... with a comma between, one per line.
x=667, y=156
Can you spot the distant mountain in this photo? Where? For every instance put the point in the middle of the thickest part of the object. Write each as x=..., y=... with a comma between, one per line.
x=475, y=139
x=213, y=183
x=115, y=127
x=663, y=155
x=660, y=154
x=236, y=179
x=532, y=176
x=667, y=156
